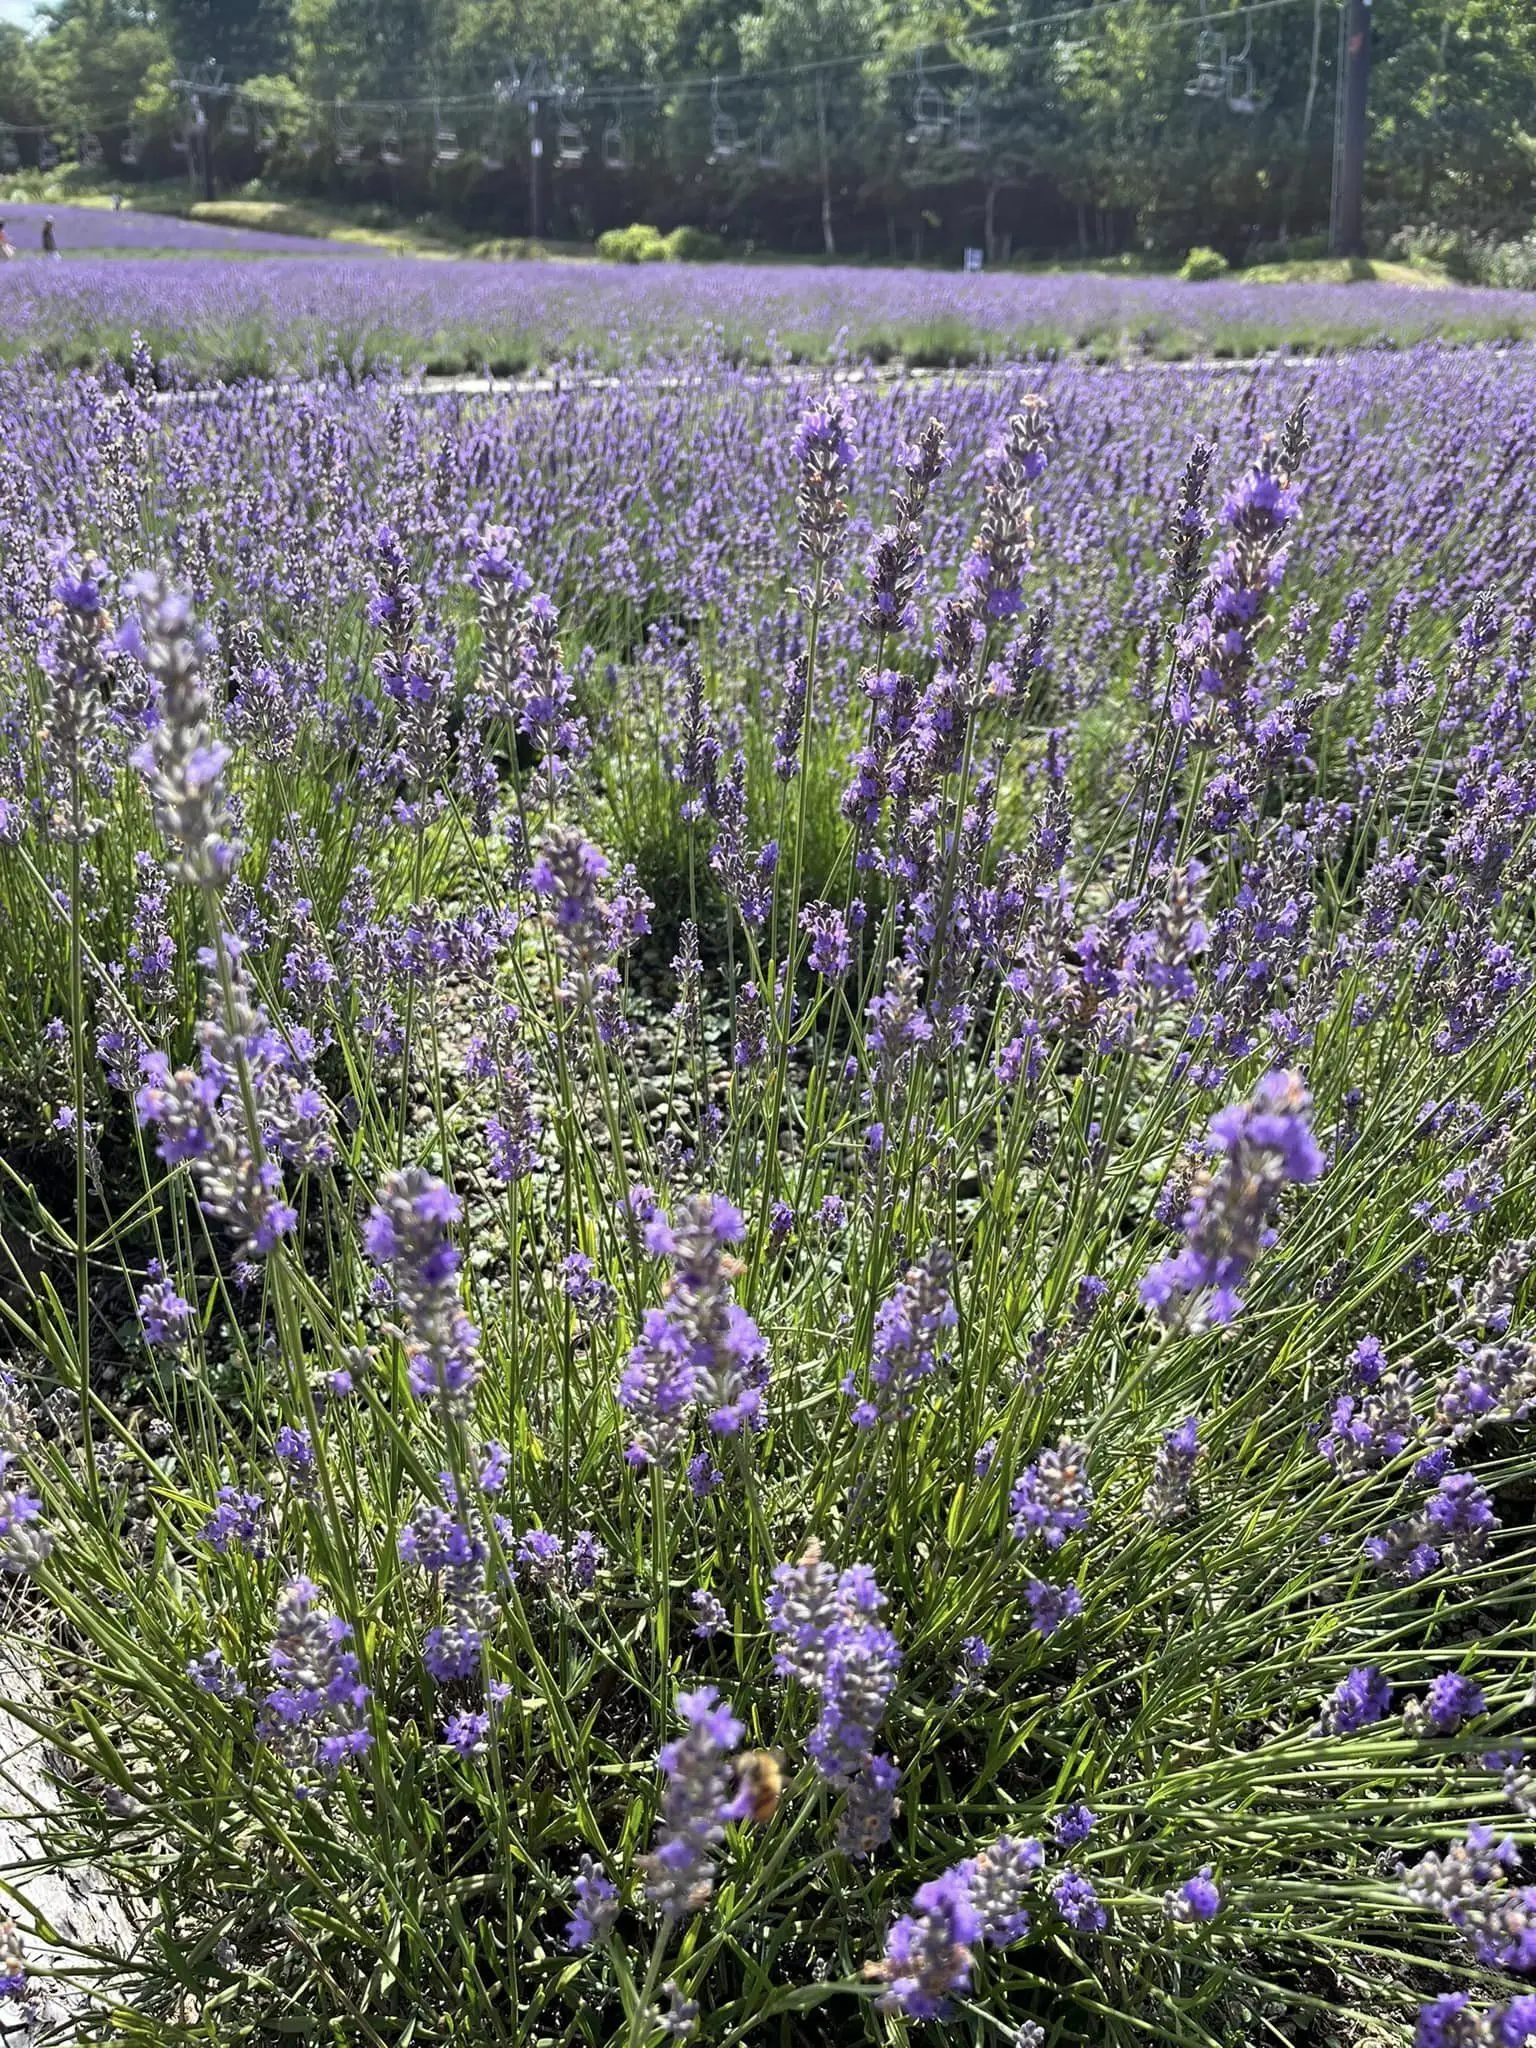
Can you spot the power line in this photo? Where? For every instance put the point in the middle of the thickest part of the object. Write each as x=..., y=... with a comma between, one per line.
x=630, y=96
x=652, y=91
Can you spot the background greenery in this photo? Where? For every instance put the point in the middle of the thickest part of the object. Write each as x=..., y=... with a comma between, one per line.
x=1088, y=139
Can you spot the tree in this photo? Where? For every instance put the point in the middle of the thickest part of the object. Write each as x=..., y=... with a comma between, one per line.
x=102, y=65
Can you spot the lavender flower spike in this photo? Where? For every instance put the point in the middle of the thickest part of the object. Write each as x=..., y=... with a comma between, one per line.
x=928, y=1952
x=182, y=761
x=696, y=1806
x=407, y=1233
x=597, y=1906
x=909, y=1341
x=24, y=1540
x=1263, y=1146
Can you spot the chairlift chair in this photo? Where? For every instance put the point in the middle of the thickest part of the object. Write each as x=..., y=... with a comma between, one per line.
x=348, y=149
x=445, y=144
x=570, y=143
x=47, y=155
x=724, y=137
x=239, y=122
x=10, y=155
x=927, y=109
x=965, y=123
x=90, y=151
x=130, y=150
x=768, y=156
x=1209, y=80
x=391, y=154
x=1240, y=85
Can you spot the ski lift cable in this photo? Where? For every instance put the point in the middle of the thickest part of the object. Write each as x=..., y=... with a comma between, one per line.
x=646, y=94
x=642, y=93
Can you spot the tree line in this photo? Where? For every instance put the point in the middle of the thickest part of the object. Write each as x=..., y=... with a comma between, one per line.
x=851, y=127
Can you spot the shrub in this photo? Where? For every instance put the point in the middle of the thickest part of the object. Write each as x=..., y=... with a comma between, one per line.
x=1203, y=266
x=694, y=245
x=637, y=244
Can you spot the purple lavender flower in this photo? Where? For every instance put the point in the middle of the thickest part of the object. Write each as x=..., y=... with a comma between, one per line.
x=407, y=1234
x=712, y=1617
x=1452, y=1699
x=541, y=1555
x=1049, y=1606
x=1195, y=1899
x=870, y=1808
x=449, y=1549
x=211, y=1675
x=1449, y=2021
x=830, y=953
x=825, y=456
x=993, y=577
x=909, y=1342
x=789, y=730
x=204, y=1121
x=1073, y=1824
x=753, y=1027
x=315, y=1717
x=1359, y=1700
x=597, y=1906
x=24, y=1539
x=1051, y=1498
x=1372, y=1428
x=928, y=1951
x=465, y=1733
x=181, y=760
x=164, y=1315
x=700, y=1349
x=1368, y=1361
x=999, y=1878
x=1454, y=1529
x=237, y=1522
x=1264, y=1145
x=696, y=1806
x=827, y=1638
x=1173, y=1471
x=1077, y=1902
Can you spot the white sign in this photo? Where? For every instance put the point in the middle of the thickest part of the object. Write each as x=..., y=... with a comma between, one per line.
x=974, y=259
x=536, y=147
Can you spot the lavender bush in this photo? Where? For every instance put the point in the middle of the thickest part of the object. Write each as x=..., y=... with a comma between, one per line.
x=768, y=1204
x=209, y=317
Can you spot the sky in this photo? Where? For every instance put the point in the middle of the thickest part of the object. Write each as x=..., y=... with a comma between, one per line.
x=22, y=12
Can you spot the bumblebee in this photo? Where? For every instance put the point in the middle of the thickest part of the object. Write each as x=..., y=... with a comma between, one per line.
x=761, y=1774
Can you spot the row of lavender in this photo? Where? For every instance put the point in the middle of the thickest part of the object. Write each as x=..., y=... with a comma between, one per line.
x=1005, y=1382
x=213, y=317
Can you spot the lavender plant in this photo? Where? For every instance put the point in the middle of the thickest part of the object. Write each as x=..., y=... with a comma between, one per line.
x=940, y=1441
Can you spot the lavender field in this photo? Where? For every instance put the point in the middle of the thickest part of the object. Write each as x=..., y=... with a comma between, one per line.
x=94, y=228
x=767, y=1178
x=207, y=318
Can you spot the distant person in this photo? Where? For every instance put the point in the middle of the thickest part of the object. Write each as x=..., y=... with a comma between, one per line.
x=7, y=246
x=117, y=202
x=50, y=239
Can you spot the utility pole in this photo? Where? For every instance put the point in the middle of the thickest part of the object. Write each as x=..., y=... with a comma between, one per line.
x=535, y=151
x=829, y=241
x=1346, y=236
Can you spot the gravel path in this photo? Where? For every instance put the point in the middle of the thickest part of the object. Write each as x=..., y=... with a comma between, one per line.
x=77, y=1904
